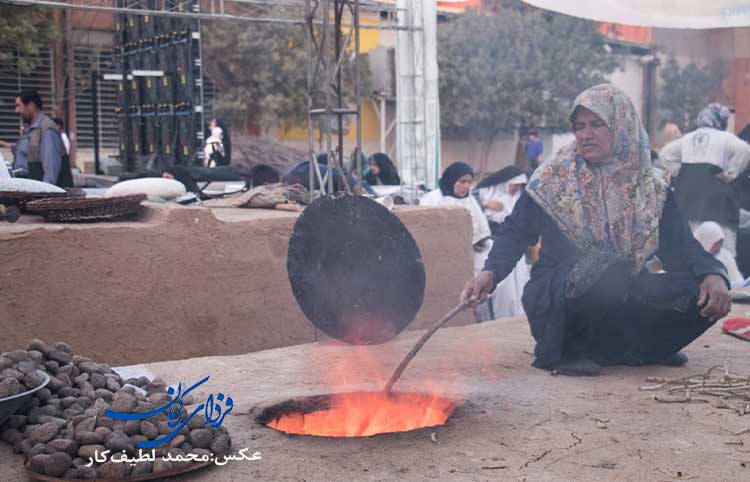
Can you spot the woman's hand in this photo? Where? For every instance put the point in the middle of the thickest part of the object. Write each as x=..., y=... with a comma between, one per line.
x=715, y=296
x=477, y=289
x=724, y=176
x=492, y=205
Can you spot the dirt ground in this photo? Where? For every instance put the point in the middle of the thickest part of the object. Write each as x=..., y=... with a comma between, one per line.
x=516, y=423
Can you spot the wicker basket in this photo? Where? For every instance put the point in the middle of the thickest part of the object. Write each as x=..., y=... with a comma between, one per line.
x=86, y=209
x=18, y=198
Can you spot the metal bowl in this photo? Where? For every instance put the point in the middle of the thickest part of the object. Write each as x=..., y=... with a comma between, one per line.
x=9, y=405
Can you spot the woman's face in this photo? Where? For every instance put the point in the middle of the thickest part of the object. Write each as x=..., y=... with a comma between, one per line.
x=213, y=124
x=462, y=186
x=374, y=167
x=593, y=137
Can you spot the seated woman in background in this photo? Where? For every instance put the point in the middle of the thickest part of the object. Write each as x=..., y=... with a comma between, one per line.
x=262, y=174
x=711, y=237
x=300, y=174
x=382, y=171
x=454, y=190
x=601, y=211
x=498, y=194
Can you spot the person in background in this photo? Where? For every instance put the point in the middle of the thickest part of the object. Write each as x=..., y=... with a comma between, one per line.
x=601, y=211
x=226, y=139
x=498, y=195
x=352, y=164
x=300, y=174
x=66, y=175
x=534, y=150
x=262, y=174
x=351, y=169
x=454, y=190
x=711, y=237
x=382, y=171
x=39, y=151
x=671, y=133
x=704, y=164
x=66, y=140
x=213, y=152
x=183, y=175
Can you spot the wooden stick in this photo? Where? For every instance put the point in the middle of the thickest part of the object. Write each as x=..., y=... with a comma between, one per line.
x=400, y=369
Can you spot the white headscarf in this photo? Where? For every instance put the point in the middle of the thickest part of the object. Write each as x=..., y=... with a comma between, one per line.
x=707, y=234
x=501, y=193
x=520, y=179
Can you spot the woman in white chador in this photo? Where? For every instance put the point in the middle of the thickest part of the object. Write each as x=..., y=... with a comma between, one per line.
x=712, y=238
x=455, y=189
x=497, y=195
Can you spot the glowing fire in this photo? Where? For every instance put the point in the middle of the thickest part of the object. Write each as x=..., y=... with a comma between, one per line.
x=399, y=413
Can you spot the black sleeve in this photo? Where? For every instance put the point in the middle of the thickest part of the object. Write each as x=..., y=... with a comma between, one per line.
x=520, y=230
x=679, y=250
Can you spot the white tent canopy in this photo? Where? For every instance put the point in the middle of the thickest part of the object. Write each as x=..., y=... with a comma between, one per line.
x=683, y=14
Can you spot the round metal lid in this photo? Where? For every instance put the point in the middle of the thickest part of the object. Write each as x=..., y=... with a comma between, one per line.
x=355, y=269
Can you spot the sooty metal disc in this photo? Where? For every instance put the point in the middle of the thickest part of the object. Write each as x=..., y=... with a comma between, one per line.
x=355, y=269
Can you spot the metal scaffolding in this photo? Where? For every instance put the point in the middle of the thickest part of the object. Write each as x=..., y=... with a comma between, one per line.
x=233, y=10
x=331, y=55
x=333, y=50
x=418, y=108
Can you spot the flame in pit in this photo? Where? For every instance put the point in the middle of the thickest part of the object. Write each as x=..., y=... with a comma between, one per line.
x=400, y=412
x=342, y=366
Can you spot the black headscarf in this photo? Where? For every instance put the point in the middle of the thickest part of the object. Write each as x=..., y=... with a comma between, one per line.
x=262, y=174
x=388, y=175
x=183, y=174
x=503, y=175
x=453, y=173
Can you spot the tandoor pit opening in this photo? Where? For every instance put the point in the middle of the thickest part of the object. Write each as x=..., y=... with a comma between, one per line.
x=340, y=415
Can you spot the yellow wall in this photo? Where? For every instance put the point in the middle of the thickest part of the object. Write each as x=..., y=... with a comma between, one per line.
x=368, y=40
x=370, y=127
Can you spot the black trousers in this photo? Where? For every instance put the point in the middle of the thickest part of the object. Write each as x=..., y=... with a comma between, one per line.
x=634, y=320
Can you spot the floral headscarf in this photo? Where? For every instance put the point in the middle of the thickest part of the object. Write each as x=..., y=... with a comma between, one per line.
x=614, y=211
x=714, y=115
